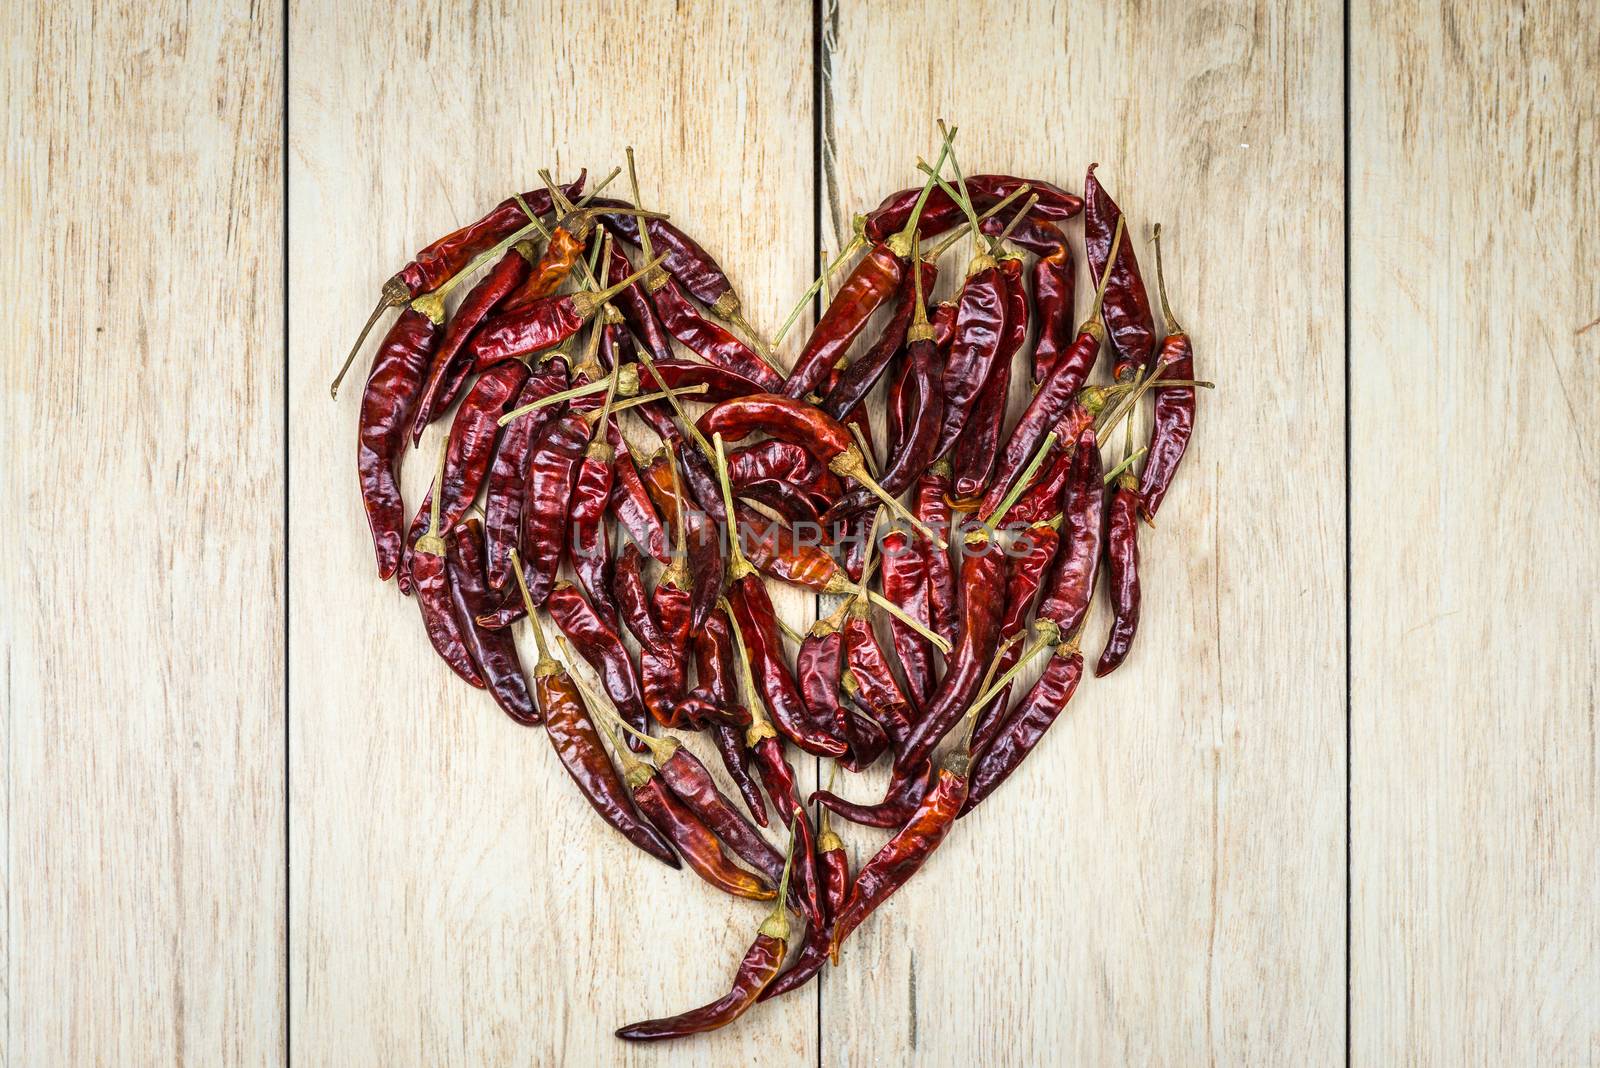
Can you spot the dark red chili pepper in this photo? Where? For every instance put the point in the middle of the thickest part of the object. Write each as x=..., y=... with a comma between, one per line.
x=602, y=647
x=933, y=508
x=761, y=964
x=433, y=598
x=493, y=651
x=753, y=611
x=720, y=382
x=663, y=664
x=1122, y=567
x=543, y=324
x=471, y=446
x=448, y=376
x=900, y=800
x=1072, y=578
x=630, y=500
x=819, y=669
x=857, y=380
x=979, y=332
x=1130, y=327
x=978, y=445
x=705, y=338
x=1027, y=723
x=387, y=401
x=1173, y=423
x=985, y=191
x=502, y=505
x=871, y=682
x=718, y=685
x=1052, y=282
x=1032, y=554
x=983, y=571
x=1059, y=390
x=835, y=888
x=580, y=750
x=905, y=582
x=591, y=499
x=633, y=599
x=871, y=283
x=635, y=305
x=706, y=566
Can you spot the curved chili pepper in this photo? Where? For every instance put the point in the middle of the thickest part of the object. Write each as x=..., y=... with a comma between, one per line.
x=631, y=502
x=561, y=254
x=980, y=329
x=1072, y=578
x=502, y=503
x=547, y=497
x=736, y=761
x=591, y=555
x=387, y=401
x=760, y=966
x=471, y=447
x=1052, y=282
x=1122, y=566
x=871, y=682
x=598, y=644
x=446, y=257
x=633, y=599
x=1026, y=724
x=813, y=953
x=438, y=615
x=857, y=380
x=933, y=508
x=706, y=566
x=983, y=571
x=493, y=651
x=705, y=338
x=721, y=383
x=1032, y=554
x=1130, y=327
x=978, y=445
x=985, y=191
x=714, y=668
x=752, y=608
x=905, y=582
x=448, y=376
x=900, y=800
x=1173, y=422
x=540, y=325
x=873, y=281
x=663, y=666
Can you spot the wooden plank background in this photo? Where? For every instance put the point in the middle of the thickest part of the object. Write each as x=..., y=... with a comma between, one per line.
x=1165, y=883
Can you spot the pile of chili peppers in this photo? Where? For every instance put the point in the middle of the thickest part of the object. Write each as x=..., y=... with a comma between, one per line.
x=961, y=549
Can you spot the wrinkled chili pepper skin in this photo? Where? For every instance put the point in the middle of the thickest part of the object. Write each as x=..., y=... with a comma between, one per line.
x=493, y=651
x=635, y=305
x=471, y=447
x=877, y=690
x=758, y=968
x=780, y=461
x=933, y=509
x=873, y=281
x=900, y=800
x=602, y=648
x=1026, y=724
x=695, y=842
x=1122, y=568
x=857, y=380
x=543, y=324
x=449, y=372
x=814, y=948
x=1032, y=554
x=753, y=610
x=979, y=332
x=586, y=537
x=905, y=582
x=685, y=259
x=663, y=666
x=702, y=540
x=818, y=665
x=714, y=668
x=780, y=417
x=1130, y=326
x=1052, y=283
x=692, y=784
x=438, y=616
x=983, y=571
x=940, y=213
x=708, y=340
x=555, y=264
x=547, y=496
x=1071, y=583
x=577, y=744
x=446, y=257
x=721, y=383
x=631, y=502
x=905, y=853
x=502, y=503
x=736, y=761
x=387, y=402
x=778, y=777
x=978, y=445
x=633, y=598
x=1172, y=426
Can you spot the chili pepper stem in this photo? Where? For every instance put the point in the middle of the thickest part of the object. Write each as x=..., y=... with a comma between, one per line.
x=635, y=772
x=949, y=242
x=911, y=621
x=1092, y=321
x=586, y=390
x=1173, y=328
x=903, y=242
x=865, y=447
x=650, y=398
x=677, y=406
x=393, y=295
x=1016, y=220
x=585, y=304
x=760, y=723
x=854, y=245
x=1021, y=484
x=789, y=632
x=776, y=925
x=740, y=566
x=432, y=542
x=1127, y=462
x=1011, y=675
x=548, y=665
x=850, y=464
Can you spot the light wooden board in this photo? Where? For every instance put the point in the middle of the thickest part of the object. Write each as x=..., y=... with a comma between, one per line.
x=1164, y=881
x=1476, y=548
x=454, y=899
x=141, y=444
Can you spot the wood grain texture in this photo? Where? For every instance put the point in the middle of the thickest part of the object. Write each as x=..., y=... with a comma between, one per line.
x=1476, y=548
x=142, y=447
x=1164, y=881
x=454, y=899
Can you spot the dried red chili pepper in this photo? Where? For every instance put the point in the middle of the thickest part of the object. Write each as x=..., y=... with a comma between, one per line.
x=564, y=245
x=933, y=508
x=578, y=746
x=630, y=500
x=602, y=647
x=633, y=599
x=448, y=375
x=547, y=497
x=870, y=681
x=980, y=330
x=718, y=683
x=387, y=401
x=986, y=190
x=449, y=256
x=663, y=664
x=1122, y=568
x=760, y=966
x=1051, y=280
x=856, y=381
x=543, y=324
x=900, y=800
x=502, y=504
x=1027, y=723
x=1059, y=390
x=588, y=545
x=835, y=888
x=905, y=581
x=1072, y=578
x=1032, y=554
x=695, y=842
x=977, y=447
x=736, y=761
x=493, y=651
x=1173, y=422
x=1130, y=327
x=785, y=462
x=471, y=447
x=433, y=597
